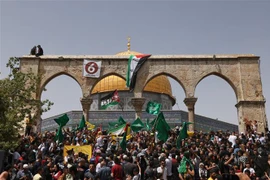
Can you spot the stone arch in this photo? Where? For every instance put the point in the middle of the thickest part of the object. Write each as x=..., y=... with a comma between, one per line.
x=241, y=71
x=166, y=74
x=222, y=77
x=46, y=80
x=165, y=96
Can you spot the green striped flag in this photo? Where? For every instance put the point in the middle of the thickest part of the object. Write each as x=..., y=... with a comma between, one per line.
x=134, y=64
x=110, y=100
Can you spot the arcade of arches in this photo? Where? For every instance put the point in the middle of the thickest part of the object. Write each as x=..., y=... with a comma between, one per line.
x=242, y=72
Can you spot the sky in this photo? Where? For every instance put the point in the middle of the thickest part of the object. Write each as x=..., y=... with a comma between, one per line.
x=155, y=27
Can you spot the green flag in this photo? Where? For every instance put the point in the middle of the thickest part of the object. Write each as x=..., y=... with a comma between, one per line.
x=153, y=107
x=120, y=122
x=182, y=134
x=123, y=143
x=162, y=127
x=82, y=123
x=137, y=125
x=182, y=167
x=61, y=121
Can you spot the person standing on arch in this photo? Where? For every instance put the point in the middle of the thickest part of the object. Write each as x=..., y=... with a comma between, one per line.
x=39, y=51
x=33, y=51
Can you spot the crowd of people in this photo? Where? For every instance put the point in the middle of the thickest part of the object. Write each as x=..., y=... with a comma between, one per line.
x=211, y=155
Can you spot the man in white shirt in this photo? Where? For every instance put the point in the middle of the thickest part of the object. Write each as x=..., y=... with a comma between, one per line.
x=232, y=138
x=169, y=166
x=251, y=170
x=262, y=138
x=162, y=170
x=38, y=175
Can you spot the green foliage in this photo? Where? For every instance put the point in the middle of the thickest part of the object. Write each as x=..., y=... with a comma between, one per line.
x=18, y=99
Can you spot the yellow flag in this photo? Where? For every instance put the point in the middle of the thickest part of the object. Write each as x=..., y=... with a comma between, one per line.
x=129, y=135
x=90, y=126
x=86, y=149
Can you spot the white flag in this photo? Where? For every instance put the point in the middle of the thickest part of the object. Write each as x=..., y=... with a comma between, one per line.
x=91, y=68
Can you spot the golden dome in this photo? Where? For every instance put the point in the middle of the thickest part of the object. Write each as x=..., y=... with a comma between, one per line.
x=110, y=83
x=128, y=52
x=159, y=84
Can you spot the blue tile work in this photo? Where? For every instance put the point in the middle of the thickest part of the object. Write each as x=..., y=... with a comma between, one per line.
x=174, y=118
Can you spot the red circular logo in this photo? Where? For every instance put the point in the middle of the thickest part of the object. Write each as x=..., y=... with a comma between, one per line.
x=91, y=68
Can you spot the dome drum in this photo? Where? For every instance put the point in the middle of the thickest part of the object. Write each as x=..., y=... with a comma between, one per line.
x=125, y=98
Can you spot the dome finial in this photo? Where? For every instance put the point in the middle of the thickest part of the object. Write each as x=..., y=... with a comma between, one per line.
x=128, y=44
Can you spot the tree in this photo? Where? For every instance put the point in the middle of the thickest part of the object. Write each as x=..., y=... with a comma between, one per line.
x=17, y=99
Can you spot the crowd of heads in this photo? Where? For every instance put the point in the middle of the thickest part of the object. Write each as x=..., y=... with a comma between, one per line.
x=211, y=155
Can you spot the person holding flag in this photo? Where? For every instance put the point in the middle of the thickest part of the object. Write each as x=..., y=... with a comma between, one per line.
x=183, y=133
x=61, y=121
x=123, y=143
x=82, y=124
x=161, y=127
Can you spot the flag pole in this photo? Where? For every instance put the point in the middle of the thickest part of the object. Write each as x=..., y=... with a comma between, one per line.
x=156, y=122
x=154, y=128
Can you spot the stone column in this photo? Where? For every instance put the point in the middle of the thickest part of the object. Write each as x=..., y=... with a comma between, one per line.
x=138, y=104
x=86, y=103
x=35, y=116
x=190, y=103
x=252, y=110
x=38, y=122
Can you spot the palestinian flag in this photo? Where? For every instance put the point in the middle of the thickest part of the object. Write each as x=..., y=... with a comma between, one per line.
x=134, y=64
x=110, y=100
x=118, y=130
x=123, y=143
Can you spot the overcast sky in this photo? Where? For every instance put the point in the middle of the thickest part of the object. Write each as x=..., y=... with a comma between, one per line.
x=156, y=27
